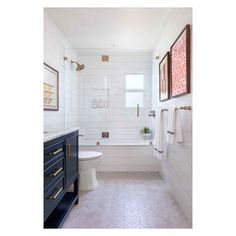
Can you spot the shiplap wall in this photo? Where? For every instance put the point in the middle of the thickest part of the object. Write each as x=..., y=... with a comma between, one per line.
x=54, y=44
x=54, y=51
x=177, y=168
x=72, y=77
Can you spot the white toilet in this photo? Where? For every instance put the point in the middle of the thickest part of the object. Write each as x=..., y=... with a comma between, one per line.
x=88, y=162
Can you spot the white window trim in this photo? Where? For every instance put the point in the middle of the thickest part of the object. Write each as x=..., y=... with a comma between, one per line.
x=137, y=90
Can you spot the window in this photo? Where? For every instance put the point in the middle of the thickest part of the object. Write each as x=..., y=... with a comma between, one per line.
x=134, y=85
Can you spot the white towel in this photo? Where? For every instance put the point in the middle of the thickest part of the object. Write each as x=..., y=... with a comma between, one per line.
x=178, y=128
x=174, y=130
x=160, y=137
x=171, y=125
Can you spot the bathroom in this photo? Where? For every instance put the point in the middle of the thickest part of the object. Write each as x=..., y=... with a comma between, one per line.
x=103, y=67
x=92, y=49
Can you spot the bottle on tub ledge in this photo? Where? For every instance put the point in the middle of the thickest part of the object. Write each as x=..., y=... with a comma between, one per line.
x=146, y=133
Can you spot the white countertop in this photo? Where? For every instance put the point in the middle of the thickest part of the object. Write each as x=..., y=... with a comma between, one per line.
x=49, y=135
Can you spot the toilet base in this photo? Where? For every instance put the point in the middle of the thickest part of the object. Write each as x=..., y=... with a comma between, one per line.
x=88, y=180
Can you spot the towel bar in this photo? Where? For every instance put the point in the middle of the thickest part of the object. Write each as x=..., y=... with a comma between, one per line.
x=184, y=108
x=180, y=108
x=164, y=109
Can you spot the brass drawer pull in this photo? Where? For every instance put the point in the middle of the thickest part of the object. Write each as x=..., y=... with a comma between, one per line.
x=55, y=152
x=53, y=197
x=56, y=172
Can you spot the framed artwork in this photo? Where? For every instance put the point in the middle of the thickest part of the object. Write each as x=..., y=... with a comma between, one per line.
x=50, y=88
x=164, y=78
x=180, y=64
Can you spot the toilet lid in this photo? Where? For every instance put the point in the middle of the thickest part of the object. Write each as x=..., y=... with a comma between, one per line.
x=88, y=155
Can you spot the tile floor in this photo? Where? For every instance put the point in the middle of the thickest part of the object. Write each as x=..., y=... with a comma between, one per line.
x=127, y=200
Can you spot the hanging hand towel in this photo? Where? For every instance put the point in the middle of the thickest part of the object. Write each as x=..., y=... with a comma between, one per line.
x=160, y=137
x=174, y=131
x=171, y=125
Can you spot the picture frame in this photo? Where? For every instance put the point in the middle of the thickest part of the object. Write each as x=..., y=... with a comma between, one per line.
x=180, y=64
x=164, y=78
x=50, y=88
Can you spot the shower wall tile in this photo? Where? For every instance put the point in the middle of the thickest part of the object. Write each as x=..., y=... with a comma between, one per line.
x=125, y=158
x=122, y=123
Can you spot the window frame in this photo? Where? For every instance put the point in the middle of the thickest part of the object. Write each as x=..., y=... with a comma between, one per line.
x=136, y=90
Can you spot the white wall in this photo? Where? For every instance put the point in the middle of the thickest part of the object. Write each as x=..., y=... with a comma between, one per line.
x=177, y=168
x=121, y=122
x=54, y=51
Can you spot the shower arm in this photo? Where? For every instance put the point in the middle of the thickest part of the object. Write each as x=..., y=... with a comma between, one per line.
x=79, y=66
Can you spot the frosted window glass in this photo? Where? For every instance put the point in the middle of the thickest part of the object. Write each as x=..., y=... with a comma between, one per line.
x=134, y=98
x=134, y=81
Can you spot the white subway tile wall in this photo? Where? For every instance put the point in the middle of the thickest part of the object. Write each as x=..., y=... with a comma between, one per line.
x=177, y=168
x=120, y=121
x=125, y=158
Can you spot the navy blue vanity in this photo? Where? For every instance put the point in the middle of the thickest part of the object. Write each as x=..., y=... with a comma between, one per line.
x=61, y=177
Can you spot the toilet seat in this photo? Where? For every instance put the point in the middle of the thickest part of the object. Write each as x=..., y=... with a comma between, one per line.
x=89, y=155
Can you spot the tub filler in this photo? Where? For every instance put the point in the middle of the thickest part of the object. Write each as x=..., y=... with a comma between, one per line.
x=124, y=156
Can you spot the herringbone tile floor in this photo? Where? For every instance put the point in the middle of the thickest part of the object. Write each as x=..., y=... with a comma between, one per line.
x=127, y=200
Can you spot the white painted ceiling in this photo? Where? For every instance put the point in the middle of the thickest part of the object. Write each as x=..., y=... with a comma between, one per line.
x=116, y=28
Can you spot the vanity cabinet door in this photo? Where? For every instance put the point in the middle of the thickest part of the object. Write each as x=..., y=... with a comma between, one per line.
x=71, y=159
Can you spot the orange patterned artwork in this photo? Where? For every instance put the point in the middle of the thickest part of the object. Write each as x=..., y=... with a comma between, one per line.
x=164, y=78
x=50, y=88
x=180, y=64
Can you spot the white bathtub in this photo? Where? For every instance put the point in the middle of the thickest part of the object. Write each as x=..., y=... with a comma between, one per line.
x=136, y=156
